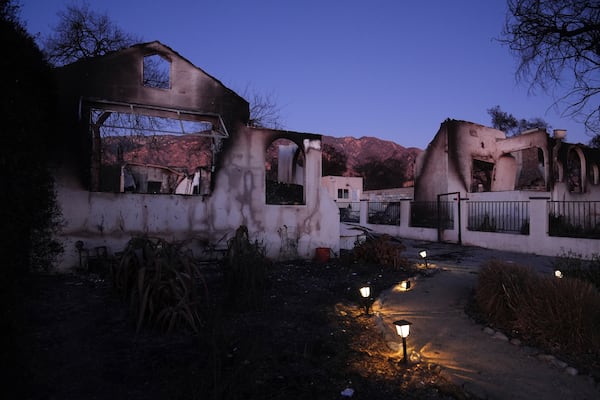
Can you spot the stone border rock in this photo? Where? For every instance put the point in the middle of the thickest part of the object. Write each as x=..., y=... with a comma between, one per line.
x=547, y=358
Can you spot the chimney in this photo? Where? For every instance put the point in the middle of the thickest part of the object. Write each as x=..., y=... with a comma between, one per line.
x=560, y=133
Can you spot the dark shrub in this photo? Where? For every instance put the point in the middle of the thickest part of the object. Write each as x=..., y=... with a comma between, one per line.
x=381, y=250
x=502, y=289
x=245, y=271
x=560, y=315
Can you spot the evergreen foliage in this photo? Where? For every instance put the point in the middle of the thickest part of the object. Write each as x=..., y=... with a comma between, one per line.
x=28, y=211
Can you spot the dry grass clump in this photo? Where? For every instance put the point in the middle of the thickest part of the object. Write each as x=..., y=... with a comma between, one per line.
x=502, y=290
x=562, y=315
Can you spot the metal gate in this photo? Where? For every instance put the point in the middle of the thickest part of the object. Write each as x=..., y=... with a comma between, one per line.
x=445, y=215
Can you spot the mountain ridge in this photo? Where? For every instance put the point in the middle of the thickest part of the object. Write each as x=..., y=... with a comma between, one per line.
x=382, y=163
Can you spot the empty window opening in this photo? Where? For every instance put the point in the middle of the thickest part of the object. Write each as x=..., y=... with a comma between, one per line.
x=482, y=176
x=154, y=187
x=530, y=169
x=575, y=171
x=138, y=153
x=595, y=174
x=157, y=72
x=284, y=173
x=343, y=194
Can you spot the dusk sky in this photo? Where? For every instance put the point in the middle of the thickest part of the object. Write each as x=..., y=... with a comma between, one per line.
x=391, y=69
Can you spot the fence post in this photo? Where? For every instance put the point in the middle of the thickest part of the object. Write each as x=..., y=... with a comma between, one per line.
x=538, y=217
x=364, y=209
x=404, y=214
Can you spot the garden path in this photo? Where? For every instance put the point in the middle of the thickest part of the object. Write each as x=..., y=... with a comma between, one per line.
x=483, y=362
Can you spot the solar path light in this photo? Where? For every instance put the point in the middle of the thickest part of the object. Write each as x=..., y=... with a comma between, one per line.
x=405, y=285
x=423, y=254
x=403, y=330
x=558, y=274
x=365, y=292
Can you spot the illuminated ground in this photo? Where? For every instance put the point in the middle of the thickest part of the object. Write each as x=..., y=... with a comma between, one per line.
x=443, y=333
x=311, y=340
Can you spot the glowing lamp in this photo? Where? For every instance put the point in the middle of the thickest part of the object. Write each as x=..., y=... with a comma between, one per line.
x=558, y=274
x=403, y=330
x=365, y=292
x=405, y=285
x=423, y=254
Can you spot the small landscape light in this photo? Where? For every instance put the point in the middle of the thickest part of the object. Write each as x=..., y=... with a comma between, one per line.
x=365, y=292
x=405, y=285
x=403, y=330
x=423, y=254
x=558, y=274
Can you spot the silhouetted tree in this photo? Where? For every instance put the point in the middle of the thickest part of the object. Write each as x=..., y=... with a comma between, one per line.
x=333, y=161
x=558, y=39
x=510, y=125
x=82, y=33
x=503, y=121
x=28, y=209
x=27, y=99
x=264, y=111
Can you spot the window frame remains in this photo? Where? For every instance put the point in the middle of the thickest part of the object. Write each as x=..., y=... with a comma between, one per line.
x=212, y=128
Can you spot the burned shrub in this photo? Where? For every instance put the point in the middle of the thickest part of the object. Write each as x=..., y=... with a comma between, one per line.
x=245, y=271
x=382, y=250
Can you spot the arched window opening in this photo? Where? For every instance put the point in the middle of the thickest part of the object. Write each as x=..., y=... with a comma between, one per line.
x=284, y=173
x=576, y=171
x=157, y=72
x=595, y=174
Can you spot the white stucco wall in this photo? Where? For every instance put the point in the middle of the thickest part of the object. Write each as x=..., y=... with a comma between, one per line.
x=286, y=231
x=353, y=184
x=536, y=242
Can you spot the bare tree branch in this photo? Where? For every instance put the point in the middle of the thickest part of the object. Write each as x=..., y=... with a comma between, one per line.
x=558, y=41
x=264, y=110
x=82, y=33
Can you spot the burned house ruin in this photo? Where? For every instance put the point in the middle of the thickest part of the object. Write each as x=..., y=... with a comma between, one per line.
x=156, y=146
x=482, y=163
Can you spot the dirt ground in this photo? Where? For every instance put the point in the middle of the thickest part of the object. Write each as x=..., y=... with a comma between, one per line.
x=309, y=340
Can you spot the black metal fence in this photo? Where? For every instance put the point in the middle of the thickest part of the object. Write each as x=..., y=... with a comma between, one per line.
x=350, y=212
x=383, y=212
x=578, y=219
x=498, y=216
x=432, y=214
x=574, y=219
